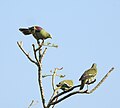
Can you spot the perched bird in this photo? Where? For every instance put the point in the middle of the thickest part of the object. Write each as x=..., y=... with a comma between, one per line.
x=37, y=32
x=88, y=76
x=65, y=85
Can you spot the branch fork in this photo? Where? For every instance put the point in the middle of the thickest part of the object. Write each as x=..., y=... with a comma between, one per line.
x=56, y=96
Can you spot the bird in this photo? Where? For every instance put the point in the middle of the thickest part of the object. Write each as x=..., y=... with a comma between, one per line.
x=88, y=76
x=37, y=32
x=65, y=85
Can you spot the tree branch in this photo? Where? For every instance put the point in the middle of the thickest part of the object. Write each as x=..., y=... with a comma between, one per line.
x=56, y=97
x=53, y=84
x=39, y=66
x=55, y=101
x=50, y=45
x=42, y=55
x=60, y=94
x=53, y=80
x=40, y=74
x=53, y=77
x=58, y=75
x=40, y=45
x=101, y=81
x=64, y=92
x=35, y=55
x=27, y=55
x=31, y=104
x=76, y=92
x=40, y=84
x=68, y=95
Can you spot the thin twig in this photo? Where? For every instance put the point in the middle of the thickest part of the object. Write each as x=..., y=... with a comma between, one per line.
x=40, y=77
x=40, y=72
x=35, y=53
x=43, y=76
x=68, y=95
x=27, y=55
x=42, y=55
x=101, y=81
x=76, y=92
x=31, y=104
x=40, y=85
x=64, y=92
x=39, y=64
x=55, y=100
x=53, y=84
x=48, y=44
x=40, y=45
x=53, y=77
x=58, y=75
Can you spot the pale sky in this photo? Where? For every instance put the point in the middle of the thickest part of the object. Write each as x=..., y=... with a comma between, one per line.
x=86, y=31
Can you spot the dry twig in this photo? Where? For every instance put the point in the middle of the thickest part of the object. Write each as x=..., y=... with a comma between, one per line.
x=76, y=92
x=27, y=55
x=39, y=65
x=55, y=98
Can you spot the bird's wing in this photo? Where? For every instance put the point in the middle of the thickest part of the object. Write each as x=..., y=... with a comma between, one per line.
x=44, y=33
x=88, y=74
x=66, y=85
x=25, y=31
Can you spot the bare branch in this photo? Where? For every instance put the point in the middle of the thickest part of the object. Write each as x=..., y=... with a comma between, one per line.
x=55, y=101
x=27, y=55
x=35, y=53
x=76, y=92
x=59, y=68
x=58, y=75
x=53, y=84
x=40, y=45
x=32, y=103
x=48, y=44
x=40, y=84
x=42, y=55
x=40, y=70
x=101, y=81
x=56, y=97
x=45, y=75
x=62, y=93
x=40, y=77
x=68, y=95
x=53, y=77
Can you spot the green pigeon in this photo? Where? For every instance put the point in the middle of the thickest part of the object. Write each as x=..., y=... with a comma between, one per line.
x=65, y=85
x=37, y=32
x=88, y=76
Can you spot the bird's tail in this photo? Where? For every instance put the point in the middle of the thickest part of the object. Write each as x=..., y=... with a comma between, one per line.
x=25, y=31
x=82, y=84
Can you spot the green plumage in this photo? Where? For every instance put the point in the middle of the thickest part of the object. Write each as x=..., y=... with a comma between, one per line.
x=88, y=76
x=65, y=84
x=37, y=32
